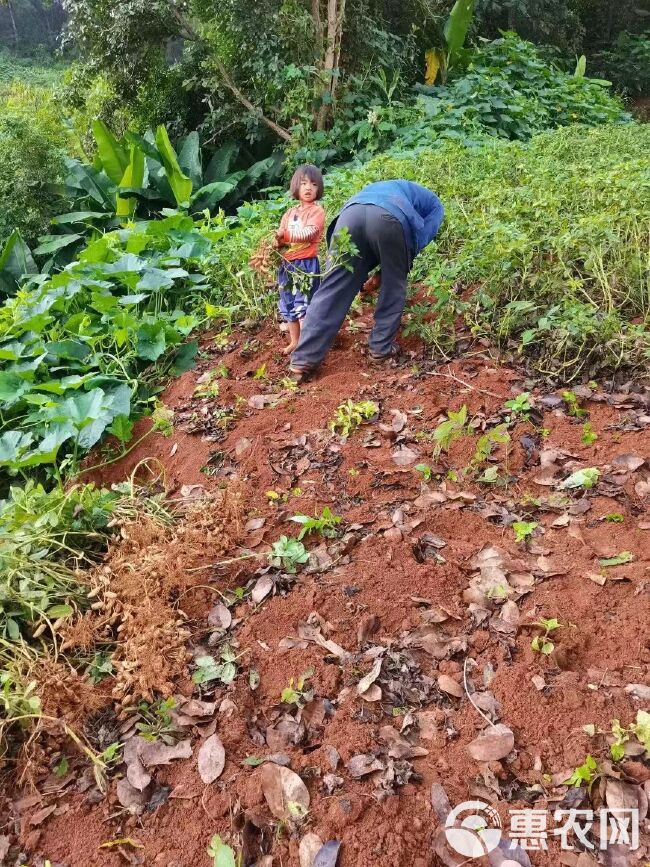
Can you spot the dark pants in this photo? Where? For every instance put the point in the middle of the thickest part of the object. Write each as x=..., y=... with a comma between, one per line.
x=379, y=237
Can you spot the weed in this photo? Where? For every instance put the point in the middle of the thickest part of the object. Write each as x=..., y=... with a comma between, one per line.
x=490, y=476
x=573, y=406
x=350, y=415
x=589, y=435
x=209, y=670
x=288, y=554
x=157, y=721
x=425, y=471
x=100, y=667
x=260, y=373
x=288, y=384
x=448, y=431
x=487, y=442
x=296, y=693
x=60, y=770
x=353, y=471
x=524, y=530
x=209, y=388
x=325, y=523
x=222, y=855
x=615, y=518
x=543, y=643
x=520, y=405
x=588, y=773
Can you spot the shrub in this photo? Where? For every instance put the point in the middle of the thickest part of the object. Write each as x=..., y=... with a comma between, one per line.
x=627, y=63
x=33, y=146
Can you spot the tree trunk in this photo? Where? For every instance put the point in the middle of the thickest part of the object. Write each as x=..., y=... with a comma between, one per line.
x=13, y=22
x=335, y=15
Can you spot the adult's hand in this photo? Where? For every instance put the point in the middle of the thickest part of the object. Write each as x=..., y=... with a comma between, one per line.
x=372, y=283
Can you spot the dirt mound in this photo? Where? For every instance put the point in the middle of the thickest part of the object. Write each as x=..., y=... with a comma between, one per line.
x=371, y=670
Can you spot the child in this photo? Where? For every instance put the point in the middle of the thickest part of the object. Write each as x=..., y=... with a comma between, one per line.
x=297, y=239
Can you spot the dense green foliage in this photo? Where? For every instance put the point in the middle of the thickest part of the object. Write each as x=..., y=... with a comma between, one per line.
x=75, y=345
x=627, y=63
x=509, y=90
x=33, y=147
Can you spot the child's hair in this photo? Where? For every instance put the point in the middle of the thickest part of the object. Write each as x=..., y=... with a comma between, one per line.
x=307, y=171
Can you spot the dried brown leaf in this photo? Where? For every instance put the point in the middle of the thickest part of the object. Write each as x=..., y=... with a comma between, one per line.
x=211, y=759
x=282, y=789
x=492, y=744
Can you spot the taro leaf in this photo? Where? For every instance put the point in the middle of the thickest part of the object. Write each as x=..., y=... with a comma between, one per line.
x=492, y=744
x=328, y=854
x=309, y=847
x=211, y=759
x=284, y=791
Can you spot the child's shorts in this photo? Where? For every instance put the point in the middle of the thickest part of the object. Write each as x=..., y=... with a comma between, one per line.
x=297, y=290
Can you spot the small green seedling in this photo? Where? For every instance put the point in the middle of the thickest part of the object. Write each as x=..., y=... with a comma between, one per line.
x=621, y=736
x=587, y=478
x=208, y=669
x=260, y=373
x=619, y=560
x=156, y=721
x=288, y=384
x=589, y=435
x=615, y=518
x=485, y=446
x=288, y=554
x=296, y=693
x=325, y=523
x=524, y=530
x=450, y=430
x=208, y=387
x=350, y=415
x=425, y=471
x=490, y=476
x=100, y=667
x=587, y=773
x=520, y=405
x=572, y=405
x=61, y=768
x=110, y=757
x=222, y=855
x=543, y=643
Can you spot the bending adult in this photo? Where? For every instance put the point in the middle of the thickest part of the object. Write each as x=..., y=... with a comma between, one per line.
x=390, y=222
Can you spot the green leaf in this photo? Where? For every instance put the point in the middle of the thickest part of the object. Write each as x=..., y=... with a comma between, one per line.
x=133, y=177
x=112, y=154
x=12, y=444
x=253, y=761
x=581, y=67
x=15, y=260
x=185, y=358
x=122, y=428
x=57, y=611
x=12, y=388
x=618, y=560
x=180, y=184
x=586, y=478
x=151, y=341
x=222, y=855
x=457, y=25
x=54, y=243
x=219, y=165
x=189, y=158
x=68, y=349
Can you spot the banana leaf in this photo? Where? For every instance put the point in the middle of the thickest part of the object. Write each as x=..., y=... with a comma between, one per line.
x=189, y=159
x=132, y=177
x=15, y=260
x=457, y=26
x=180, y=184
x=114, y=158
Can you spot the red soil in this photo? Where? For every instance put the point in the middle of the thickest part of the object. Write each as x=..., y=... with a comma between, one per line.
x=603, y=644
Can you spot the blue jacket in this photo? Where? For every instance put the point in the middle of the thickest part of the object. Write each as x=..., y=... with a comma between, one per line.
x=419, y=210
